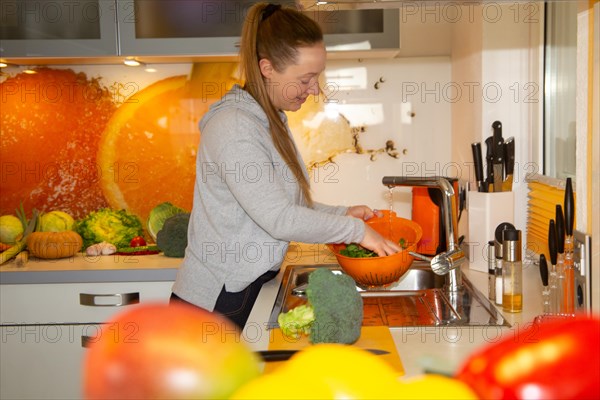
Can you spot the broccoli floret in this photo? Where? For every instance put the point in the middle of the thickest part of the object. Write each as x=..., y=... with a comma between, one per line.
x=297, y=321
x=338, y=307
x=172, y=238
x=334, y=312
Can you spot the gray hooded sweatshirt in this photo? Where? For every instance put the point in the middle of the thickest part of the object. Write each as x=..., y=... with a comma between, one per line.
x=247, y=205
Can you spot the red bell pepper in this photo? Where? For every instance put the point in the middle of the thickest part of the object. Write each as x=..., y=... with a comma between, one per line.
x=559, y=359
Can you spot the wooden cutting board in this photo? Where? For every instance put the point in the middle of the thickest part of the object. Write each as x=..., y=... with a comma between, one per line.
x=371, y=337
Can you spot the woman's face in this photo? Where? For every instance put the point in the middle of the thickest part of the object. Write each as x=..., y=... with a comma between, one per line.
x=289, y=88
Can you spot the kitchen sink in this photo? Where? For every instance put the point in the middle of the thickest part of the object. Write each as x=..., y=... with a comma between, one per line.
x=416, y=278
x=419, y=298
x=420, y=277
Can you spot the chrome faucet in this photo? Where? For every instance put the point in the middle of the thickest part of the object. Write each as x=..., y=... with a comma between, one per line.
x=449, y=261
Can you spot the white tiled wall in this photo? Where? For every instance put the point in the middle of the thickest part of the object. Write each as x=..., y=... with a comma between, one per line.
x=417, y=85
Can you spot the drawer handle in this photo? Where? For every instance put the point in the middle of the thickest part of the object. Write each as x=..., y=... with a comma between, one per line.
x=87, y=340
x=109, y=300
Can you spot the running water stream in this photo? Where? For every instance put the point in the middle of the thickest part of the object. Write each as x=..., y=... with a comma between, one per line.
x=390, y=198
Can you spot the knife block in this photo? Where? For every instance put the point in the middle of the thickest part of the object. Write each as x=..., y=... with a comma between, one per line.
x=485, y=212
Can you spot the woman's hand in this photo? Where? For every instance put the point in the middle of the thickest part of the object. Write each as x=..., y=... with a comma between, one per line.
x=363, y=212
x=377, y=243
x=373, y=240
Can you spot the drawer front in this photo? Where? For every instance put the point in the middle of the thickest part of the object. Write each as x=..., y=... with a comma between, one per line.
x=75, y=302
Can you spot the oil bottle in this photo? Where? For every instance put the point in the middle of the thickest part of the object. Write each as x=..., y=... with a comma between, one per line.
x=512, y=271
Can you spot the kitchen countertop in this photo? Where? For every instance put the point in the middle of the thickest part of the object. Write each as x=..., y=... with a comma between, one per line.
x=81, y=268
x=420, y=348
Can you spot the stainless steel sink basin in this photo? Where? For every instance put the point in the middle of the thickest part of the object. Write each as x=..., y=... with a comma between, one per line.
x=419, y=298
x=419, y=277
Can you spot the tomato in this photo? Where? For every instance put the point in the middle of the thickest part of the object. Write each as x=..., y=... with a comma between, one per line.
x=550, y=360
x=167, y=351
x=137, y=241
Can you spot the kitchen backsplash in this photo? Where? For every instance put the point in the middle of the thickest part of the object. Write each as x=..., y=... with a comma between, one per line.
x=81, y=137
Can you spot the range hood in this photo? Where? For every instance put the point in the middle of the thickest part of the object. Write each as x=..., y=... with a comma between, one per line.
x=356, y=26
x=356, y=4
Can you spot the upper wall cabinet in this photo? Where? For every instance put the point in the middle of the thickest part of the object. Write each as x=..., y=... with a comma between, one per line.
x=41, y=28
x=96, y=28
x=184, y=27
x=179, y=27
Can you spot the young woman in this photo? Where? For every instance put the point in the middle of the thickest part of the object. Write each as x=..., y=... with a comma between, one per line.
x=252, y=195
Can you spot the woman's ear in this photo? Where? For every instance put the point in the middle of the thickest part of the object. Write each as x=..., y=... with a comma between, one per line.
x=266, y=68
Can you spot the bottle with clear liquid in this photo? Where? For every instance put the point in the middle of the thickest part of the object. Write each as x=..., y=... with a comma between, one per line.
x=491, y=271
x=512, y=272
x=498, y=255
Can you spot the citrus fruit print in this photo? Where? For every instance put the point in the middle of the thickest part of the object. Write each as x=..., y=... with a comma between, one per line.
x=148, y=150
x=319, y=134
x=50, y=126
x=67, y=145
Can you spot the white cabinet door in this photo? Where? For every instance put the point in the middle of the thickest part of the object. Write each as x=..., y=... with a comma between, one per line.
x=44, y=328
x=42, y=361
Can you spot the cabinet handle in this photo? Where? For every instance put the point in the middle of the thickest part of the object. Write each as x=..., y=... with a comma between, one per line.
x=109, y=300
x=86, y=341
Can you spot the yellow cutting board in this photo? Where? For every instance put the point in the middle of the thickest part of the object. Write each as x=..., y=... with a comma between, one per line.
x=371, y=337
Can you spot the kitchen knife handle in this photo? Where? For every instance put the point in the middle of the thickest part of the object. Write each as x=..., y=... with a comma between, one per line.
x=489, y=159
x=498, y=144
x=276, y=355
x=569, y=208
x=509, y=155
x=560, y=230
x=552, y=242
x=478, y=163
x=544, y=270
x=476, y=148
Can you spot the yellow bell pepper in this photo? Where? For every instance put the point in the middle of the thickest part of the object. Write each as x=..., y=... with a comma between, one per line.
x=336, y=371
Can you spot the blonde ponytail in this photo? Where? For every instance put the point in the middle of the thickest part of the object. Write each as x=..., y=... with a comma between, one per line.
x=275, y=33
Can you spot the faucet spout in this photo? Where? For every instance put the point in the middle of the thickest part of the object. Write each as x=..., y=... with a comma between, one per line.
x=447, y=262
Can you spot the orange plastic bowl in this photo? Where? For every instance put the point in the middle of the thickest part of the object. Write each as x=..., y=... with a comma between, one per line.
x=373, y=272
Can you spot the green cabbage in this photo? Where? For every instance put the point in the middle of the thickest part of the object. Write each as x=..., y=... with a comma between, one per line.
x=158, y=216
x=10, y=229
x=106, y=225
x=55, y=221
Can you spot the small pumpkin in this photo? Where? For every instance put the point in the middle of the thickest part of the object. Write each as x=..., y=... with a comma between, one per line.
x=52, y=245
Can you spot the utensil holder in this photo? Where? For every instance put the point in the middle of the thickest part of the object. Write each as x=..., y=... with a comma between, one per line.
x=485, y=212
